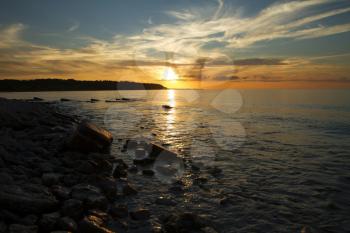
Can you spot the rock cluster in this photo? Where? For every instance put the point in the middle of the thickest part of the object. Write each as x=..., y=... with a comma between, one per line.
x=56, y=175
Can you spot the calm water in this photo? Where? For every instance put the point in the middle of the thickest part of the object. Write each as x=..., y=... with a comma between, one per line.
x=284, y=154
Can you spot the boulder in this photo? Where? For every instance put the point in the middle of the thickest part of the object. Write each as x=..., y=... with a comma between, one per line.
x=60, y=192
x=184, y=222
x=148, y=172
x=48, y=222
x=17, y=228
x=90, y=138
x=140, y=214
x=91, y=196
x=12, y=197
x=129, y=190
x=66, y=223
x=92, y=224
x=119, y=211
x=72, y=208
x=50, y=179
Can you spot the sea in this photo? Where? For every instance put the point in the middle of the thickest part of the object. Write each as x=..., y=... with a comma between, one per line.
x=249, y=160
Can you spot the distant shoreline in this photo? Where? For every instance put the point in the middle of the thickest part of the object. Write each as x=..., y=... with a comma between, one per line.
x=47, y=85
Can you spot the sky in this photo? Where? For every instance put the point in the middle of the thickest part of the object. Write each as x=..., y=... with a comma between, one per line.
x=180, y=44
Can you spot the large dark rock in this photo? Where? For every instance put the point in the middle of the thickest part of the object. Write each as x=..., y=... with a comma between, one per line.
x=48, y=222
x=91, y=196
x=17, y=228
x=66, y=223
x=72, y=208
x=27, y=201
x=92, y=224
x=140, y=214
x=185, y=222
x=90, y=138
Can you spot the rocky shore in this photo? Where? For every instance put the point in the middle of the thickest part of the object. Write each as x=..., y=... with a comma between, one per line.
x=57, y=175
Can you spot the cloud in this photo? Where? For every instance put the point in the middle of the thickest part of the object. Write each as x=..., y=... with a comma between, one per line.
x=74, y=27
x=198, y=44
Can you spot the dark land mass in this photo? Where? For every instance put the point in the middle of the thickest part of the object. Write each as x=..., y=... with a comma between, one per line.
x=73, y=85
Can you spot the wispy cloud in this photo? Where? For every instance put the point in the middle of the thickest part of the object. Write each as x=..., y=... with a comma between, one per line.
x=74, y=27
x=183, y=44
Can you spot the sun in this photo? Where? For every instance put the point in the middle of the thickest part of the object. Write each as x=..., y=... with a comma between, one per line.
x=169, y=74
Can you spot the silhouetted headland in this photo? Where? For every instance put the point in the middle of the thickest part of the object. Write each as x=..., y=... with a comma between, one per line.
x=73, y=85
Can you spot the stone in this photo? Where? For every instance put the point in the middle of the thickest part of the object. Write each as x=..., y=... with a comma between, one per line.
x=12, y=197
x=72, y=208
x=148, y=172
x=91, y=196
x=133, y=169
x=184, y=222
x=108, y=185
x=3, y=227
x=67, y=224
x=129, y=190
x=37, y=99
x=119, y=211
x=50, y=179
x=165, y=201
x=65, y=100
x=48, y=222
x=92, y=224
x=5, y=178
x=166, y=107
x=60, y=192
x=29, y=220
x=90, y=138
x=215, y=171
x=17, y=228
x=208, y=230
x=140, y=214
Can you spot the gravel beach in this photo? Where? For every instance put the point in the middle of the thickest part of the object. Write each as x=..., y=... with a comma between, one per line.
x=57, y=175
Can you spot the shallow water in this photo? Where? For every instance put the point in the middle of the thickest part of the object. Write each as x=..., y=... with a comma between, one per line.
x=284, y=154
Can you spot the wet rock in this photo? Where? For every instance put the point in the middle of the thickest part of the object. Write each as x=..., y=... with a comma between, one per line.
x=133, y=169
x=129, y=190
x=8, y=216
x=119, y=211
x=17, y=228
x=86, y=167
x=307, y=229
x=3, y=227
x=94, y=100
x=166, y=107
x=208, y=230
x=100, y=214
x=65, y=100
x=184, y=222
x=148, y=172
x=48, y=222
x=90, y=138
x=37, y=99
x=70, y=180
x=91, y=196
x=92, y=224
x=60, y=192
x=140, y=214
x=215, y=171
x=50, y=179
x=72, y=208
x=108, y=185
x=67, y=224
x=29, y=220
x=200, y=180
x=5, y=178
x=11, y=197
x=165, y=201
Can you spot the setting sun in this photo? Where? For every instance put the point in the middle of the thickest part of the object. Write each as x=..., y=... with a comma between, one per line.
x=169, y=74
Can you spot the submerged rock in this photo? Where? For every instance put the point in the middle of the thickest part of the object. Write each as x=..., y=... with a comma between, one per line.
x=17, y=228
x=90, y=138
x=140, y=214
x=12, y=197
x=92, y=224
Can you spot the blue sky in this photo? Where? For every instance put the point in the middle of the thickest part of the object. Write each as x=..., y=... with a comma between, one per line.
x=245, y=38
